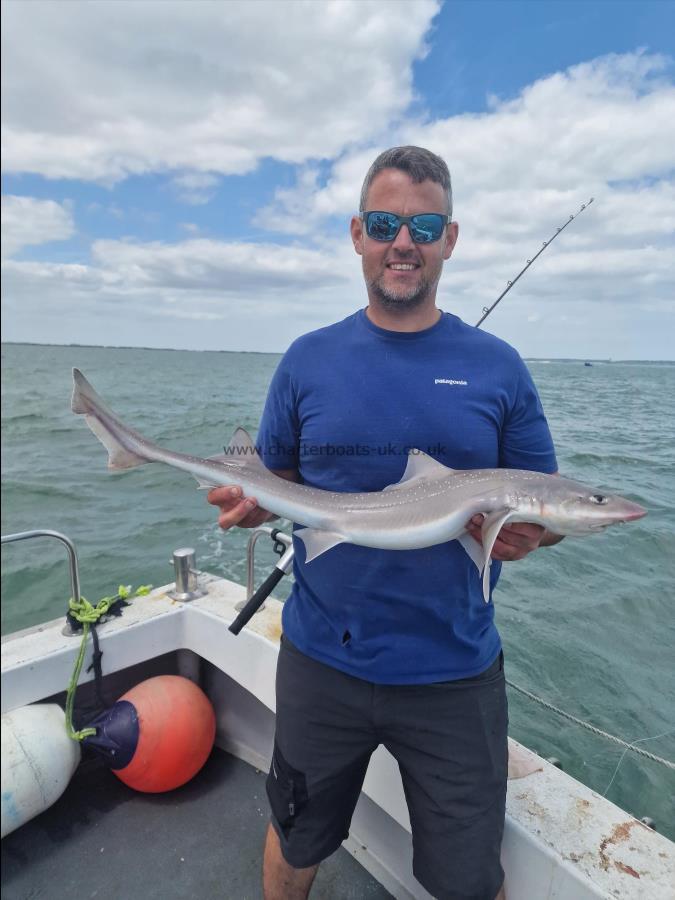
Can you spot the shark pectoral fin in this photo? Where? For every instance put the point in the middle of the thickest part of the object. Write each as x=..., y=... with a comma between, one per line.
x=317, y=542
x=492, y=525
x=420, y=467
x=473, y=548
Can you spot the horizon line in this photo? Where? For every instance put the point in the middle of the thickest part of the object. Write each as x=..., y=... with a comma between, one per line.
x=601, y=359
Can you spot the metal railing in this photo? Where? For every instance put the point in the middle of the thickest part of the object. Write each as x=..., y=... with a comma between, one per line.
x=70, y=547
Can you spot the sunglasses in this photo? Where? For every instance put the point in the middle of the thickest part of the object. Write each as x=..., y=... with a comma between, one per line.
x=424, y=228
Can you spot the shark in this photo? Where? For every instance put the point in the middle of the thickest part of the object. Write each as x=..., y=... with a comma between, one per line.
x=431, y=503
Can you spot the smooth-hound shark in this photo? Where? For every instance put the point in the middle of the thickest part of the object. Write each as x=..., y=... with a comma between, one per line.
x=431, y=504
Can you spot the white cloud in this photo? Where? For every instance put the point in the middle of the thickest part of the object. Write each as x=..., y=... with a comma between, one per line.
x=195, y=188
x=188, y=274
x=206, y=265
x=27, y=221
x=569, y=134
x=257, y=294
x=102, y=90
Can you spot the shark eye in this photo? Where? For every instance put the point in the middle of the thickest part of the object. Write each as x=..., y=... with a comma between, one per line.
x=598, y=498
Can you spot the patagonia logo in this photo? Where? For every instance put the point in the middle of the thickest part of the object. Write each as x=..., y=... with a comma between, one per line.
x=451, y=381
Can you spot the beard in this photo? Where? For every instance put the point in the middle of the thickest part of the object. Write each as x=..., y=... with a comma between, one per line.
x=401, y=299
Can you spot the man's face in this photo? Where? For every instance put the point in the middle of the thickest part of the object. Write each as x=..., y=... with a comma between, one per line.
x=401, y=274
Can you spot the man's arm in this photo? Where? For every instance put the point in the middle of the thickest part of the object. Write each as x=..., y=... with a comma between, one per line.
x=235, y=509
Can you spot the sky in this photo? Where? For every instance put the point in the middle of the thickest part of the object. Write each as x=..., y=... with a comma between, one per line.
x=182, y=174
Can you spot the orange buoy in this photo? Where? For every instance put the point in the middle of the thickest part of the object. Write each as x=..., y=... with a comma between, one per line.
x=168, y=727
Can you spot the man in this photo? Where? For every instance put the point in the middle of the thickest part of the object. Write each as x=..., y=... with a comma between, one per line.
x=394, y=647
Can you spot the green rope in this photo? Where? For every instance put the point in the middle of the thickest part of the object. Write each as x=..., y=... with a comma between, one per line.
x=88, y=614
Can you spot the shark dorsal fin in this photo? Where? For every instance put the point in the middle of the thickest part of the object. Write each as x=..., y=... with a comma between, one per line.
x=420, y=467
x=240, y=451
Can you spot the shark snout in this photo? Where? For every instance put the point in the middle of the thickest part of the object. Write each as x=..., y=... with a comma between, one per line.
x=617, y=511
x=633, y=512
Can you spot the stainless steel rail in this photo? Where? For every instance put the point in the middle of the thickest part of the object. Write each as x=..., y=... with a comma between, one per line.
x=70, y=547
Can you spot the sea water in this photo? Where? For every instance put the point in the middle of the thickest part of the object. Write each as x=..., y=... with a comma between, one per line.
x=588, y=625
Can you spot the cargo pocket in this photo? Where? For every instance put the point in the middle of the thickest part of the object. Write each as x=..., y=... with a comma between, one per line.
x=286, y=790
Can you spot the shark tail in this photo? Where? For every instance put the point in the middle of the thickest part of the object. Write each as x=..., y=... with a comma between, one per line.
x=111, y=432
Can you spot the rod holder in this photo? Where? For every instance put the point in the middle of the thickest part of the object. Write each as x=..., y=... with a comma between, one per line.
x=186, y=587
x=283, y=546
x=281, y=543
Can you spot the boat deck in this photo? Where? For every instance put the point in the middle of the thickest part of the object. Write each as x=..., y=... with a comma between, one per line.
x=101, y=839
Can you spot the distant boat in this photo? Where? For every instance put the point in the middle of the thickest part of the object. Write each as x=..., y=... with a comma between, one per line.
x=588, y=364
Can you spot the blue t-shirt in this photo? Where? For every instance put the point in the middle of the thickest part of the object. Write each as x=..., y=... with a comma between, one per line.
x=345, y=405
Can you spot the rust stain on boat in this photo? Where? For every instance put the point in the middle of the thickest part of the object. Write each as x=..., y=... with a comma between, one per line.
x=582, y=806
x=273, y=631
x=619, y=833
x=622, y=867
x=536, y=810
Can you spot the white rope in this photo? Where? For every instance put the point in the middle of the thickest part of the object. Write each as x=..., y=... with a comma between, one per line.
x=611, y=737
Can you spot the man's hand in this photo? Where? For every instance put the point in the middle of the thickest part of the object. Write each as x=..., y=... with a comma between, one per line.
x=236, y=509
x=514, y=541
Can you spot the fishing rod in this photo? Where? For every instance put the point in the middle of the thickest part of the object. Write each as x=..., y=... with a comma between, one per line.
x=509, y=284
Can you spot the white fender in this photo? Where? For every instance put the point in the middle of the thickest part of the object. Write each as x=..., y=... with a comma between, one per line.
x=38, y=761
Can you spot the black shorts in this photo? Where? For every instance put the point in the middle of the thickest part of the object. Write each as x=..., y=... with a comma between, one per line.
x=449, y=739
